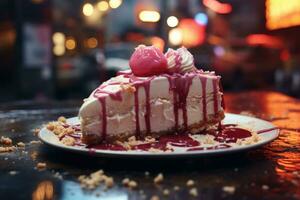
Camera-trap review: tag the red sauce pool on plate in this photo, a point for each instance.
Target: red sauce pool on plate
(224, 134)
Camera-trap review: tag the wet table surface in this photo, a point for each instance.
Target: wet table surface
(271, 172)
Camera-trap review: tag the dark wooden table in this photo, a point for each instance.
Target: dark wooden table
(271, 172)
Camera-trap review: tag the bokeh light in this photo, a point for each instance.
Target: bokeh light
(58, 38)
(175, 36)
(219, 51)
(158, 42)
(193, 34)
(59, 50)
(70, 43)
(115, 3)
(92, 42)
(217, 6)
(172, 21)
(201, 18)
(149, 16)
(88, 9)
(103, 6)
(37, 1)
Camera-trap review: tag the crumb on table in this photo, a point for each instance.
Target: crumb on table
(5, 140)
(129, 183)
(35, 142)
(7, 149)
(95, 179)
(109, 182)
(21, 144)
(41, 165)
(159, 178)
(36, 131)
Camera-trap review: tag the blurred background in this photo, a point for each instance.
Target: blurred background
(53, 49)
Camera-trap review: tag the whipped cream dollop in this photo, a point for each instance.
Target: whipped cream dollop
(180, 61)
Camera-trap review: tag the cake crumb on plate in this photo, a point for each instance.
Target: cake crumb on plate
(62, 119)
(68, 141)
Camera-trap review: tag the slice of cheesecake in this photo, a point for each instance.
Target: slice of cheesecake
(163, 103)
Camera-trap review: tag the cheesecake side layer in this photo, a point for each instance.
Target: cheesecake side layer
(193, 128)
(197, 104)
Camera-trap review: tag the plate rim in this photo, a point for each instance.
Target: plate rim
(111, 153)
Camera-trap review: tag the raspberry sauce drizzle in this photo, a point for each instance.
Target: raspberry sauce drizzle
(104, 117)
(203, 84)
(145, 83)
(222, 91)
(148, 107)
(215, 96)
(180, 85)
(136, 110)
(114, 95)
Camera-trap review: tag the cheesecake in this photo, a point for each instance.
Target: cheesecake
(161, 94)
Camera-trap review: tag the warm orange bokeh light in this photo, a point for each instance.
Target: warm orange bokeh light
(193, 34)
(158, 42)
(218, 7)
(280, 14)
(265, 40)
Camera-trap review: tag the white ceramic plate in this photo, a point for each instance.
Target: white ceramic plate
(251, 123)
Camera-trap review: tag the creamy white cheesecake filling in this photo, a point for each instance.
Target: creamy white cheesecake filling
(121, 117)
(162, 118)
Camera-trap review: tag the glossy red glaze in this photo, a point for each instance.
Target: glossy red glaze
(148, 61)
